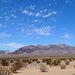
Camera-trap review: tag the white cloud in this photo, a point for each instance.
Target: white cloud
(66, 1)
(14, 16)
(67, 36)
(4, 35)
(14, 45)
(22, 29)
(49, 14)
(54, 12)
(53, 26)
(45, 10)
(4, 1)
(28, 12)
(25, 11)
(44, 13)
(30, 7)
(35, 21)
(4, 25)
(17, 28)
(43, 31)
(37, 14)
(0, 17)
(7, 18)
(52, 18)
(0, 25)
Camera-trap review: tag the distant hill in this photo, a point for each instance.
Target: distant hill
(2, 51)
(52, 50)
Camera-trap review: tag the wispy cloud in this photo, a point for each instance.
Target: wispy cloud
(43, 31)
(40, 13)
(68, 36)
(32, 7)
(14, 45)
(7, 18)
(49, 14)
(54, 12)
(28, 12)
(35, 21)
(37, 14)
(4, 35)
(0, 25)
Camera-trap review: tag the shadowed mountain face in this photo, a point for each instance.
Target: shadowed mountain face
(60, 49)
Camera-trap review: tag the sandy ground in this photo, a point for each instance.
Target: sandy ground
(50, 72)
(33, 69)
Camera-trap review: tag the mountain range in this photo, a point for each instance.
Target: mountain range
(49, 50)
(43, 50)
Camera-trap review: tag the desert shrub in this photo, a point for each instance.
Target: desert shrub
(4, 63)
(11, 61)
(16, 66)
(73, 74)
(5, 71)
(70, 59)
(29, 62)
(56, 62)
(74, 66)
(38, 61)
(32, 60)
(25, 60)
(47, 61)
(43, 68)
(63, 58)
(62, 66)
(67, 62)
(51, 63)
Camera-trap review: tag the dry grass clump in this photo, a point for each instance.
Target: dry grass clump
(43, 68)
(62, 66)
(5, 71)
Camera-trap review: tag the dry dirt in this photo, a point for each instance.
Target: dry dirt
(33, 69)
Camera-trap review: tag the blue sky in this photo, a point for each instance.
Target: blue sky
(36, 22)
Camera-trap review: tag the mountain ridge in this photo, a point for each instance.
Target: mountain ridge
(59, 49)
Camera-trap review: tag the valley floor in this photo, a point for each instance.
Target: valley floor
(33, 69)
(52, 71)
